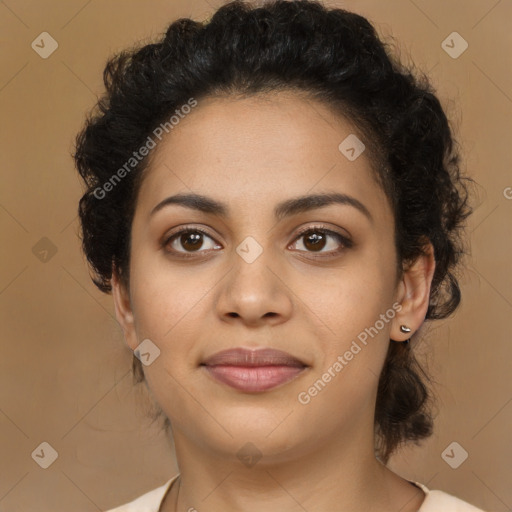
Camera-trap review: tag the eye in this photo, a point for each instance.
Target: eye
(187, 241)
(316, 239)
(190, 240)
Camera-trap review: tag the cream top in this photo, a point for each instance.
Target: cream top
(435, 501)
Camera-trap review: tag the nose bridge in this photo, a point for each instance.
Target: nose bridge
(254, 290)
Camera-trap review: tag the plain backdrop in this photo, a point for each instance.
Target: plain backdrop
(64, 369)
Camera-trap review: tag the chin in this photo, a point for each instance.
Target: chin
(272, 432)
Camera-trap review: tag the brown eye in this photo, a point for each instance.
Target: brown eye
(190, 241)
(315, 240)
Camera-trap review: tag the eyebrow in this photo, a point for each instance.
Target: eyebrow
(284, 209)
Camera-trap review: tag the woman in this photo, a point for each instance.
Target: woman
(276, 206)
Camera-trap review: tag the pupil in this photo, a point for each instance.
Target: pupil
(194, 239)
(316, 240)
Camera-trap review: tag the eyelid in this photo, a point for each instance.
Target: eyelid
(322, 227)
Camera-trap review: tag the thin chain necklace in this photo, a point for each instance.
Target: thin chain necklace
(177, 494)
(175, 505)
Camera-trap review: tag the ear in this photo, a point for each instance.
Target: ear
(413, 294)
(123, 309)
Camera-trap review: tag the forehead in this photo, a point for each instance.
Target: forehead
(261, 148)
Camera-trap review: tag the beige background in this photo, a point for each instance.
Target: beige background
(64, 370)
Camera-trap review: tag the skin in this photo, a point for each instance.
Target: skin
(251, 154)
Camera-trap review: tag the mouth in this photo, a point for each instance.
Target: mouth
(253, 371)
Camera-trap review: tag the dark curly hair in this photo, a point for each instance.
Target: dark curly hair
(332, 56)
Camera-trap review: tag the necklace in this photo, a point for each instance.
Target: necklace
(177, 494)
(175, 504)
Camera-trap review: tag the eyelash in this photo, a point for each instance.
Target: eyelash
(345, 242)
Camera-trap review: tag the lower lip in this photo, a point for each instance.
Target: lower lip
(253, 379)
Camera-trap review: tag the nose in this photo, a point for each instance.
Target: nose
(255, 294)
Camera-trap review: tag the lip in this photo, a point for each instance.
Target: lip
(253, 371)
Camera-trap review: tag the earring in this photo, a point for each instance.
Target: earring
(405, 329)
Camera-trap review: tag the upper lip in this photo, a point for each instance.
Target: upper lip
(253, 358)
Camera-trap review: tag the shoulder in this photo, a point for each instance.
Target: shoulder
(148, 502)
(439, 500)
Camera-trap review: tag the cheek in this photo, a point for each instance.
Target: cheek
(168, 309)
(165, 299)
(349, 299)
(352, 350)
(349, 306)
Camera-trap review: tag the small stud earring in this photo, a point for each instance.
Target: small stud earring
(405, 329)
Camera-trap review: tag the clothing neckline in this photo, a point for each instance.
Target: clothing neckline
(168, 485)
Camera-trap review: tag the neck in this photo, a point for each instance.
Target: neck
(337, 476)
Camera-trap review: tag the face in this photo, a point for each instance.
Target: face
(310, 281)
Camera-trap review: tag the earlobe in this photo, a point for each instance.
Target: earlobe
(413, 294)
(123, 310)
